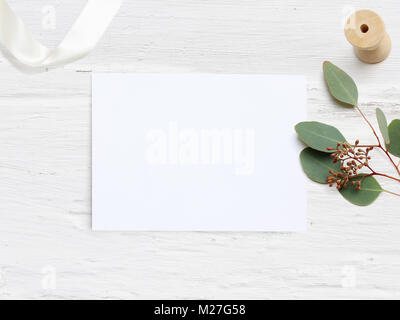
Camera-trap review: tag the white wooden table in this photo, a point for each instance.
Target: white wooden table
(47, 249)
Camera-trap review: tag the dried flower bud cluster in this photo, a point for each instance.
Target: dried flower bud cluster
(352, 159)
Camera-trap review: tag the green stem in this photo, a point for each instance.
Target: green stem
(396, 194)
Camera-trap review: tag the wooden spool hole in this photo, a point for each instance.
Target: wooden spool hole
(366, 31)
(364, 28)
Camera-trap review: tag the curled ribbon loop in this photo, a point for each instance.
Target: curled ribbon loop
(79, 41)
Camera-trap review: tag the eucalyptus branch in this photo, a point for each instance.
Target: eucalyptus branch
(352, 159)
(379, 141)
(330, 159)
(370, 125)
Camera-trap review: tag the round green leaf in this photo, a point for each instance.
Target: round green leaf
(340, 84)
(382, 122)
(319, 136)
(369, 192)
(316, 164)
(394, 135)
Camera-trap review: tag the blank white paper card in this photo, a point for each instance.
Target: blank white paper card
(197, 152)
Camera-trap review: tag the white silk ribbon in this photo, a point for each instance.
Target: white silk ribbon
(79, 41)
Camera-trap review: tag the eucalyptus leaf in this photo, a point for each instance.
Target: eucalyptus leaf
(340, 84)
(382, 122)
(316, 164)
(368, 193)
(394, 135)
(319, 136)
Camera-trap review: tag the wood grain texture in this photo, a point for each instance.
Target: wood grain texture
(45, 140)
(365, 30)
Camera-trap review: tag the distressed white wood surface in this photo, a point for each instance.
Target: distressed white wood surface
(45, 208)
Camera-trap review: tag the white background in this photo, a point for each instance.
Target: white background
(45, 205)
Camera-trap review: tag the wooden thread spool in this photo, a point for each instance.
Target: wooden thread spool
(366, 31)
